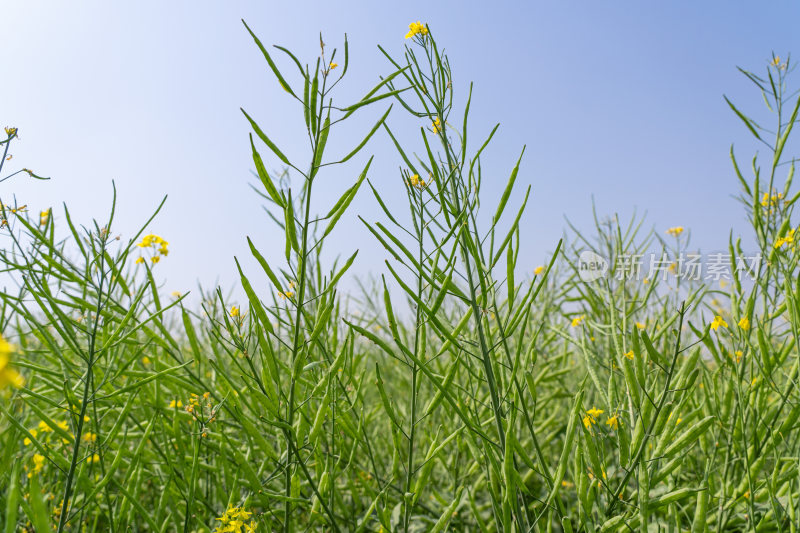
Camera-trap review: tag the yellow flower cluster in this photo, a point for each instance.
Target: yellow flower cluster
(44, 427)
(44, 217)
(787, 239)
(38, 464)
(417, 182)
(436, 125)
(27, 440)
(771, 200)
(416, 28)
(197, 408)
(577, 321)
(717, 322)
(676, 231)
(235, 520)
(776, 62)
(194, 403)
(154, 241)
(11, 131)
(288, 293)
(8, 376)
(591, 417)
(538, 270)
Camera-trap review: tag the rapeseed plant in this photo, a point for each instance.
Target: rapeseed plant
(452, 394)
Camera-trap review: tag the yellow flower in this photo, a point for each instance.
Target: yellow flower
(151, 240)
(44, 428)
(594, 412)
(8, 376)
(640, 325)
(175, 403)
(436, 125)
(738, 355)
(10, 131)
(591, 417)
(788, 239)
(416, 181)
(90, 437)
(744, 323)
(577, 321)
(333, 65)
(155, 259)
(233, 519)
(44, 216)
(718, 321)
(646, 281)
(154, 241)
(676, 231)
(613, 421)
(139, 260)
(38, 463)
(27, 441)
(234, 311)
(145, 360)
(416, 28)
(538, 270)
(629, 355)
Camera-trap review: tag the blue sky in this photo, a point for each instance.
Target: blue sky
(618, 100)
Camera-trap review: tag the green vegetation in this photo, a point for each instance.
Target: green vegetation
(467, 392)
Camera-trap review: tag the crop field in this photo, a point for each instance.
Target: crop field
(464, 391)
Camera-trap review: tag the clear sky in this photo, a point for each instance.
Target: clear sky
(622, 100)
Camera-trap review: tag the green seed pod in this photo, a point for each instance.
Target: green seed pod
(319, 419)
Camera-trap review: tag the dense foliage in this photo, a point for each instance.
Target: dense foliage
(463, 391)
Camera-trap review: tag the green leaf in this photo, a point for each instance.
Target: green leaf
(344, 201)
(290, 226)
(350, 109)
(367, 138)
(747, 122)
(264, 176)
(507, 192)
(274, 68)
(264, 265)
(266, 140)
